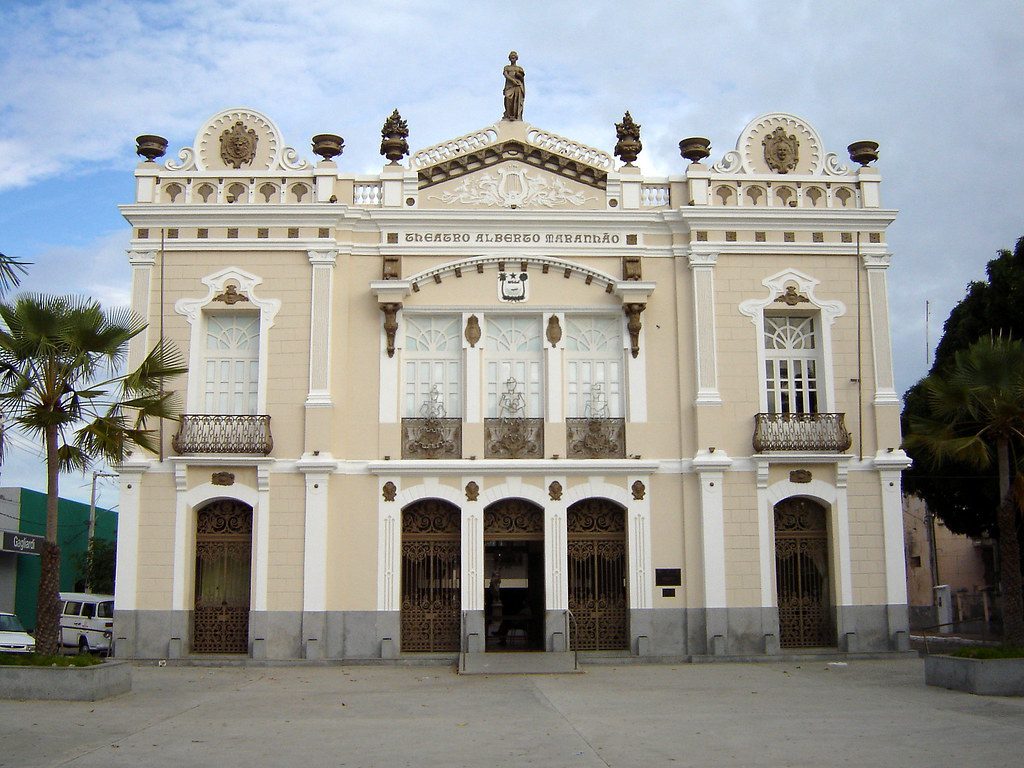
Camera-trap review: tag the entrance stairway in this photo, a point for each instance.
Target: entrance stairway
(518, 663)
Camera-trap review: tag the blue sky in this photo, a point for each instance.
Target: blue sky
(939, 85)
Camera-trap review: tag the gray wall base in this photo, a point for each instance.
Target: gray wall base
(653, 633)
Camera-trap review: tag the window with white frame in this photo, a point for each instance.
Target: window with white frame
(433, 365)
(792, 362)
(231, 362)
(514, 354)
(594, 364)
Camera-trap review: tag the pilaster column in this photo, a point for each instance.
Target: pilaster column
(317, 473)
(710, 467)
(261, 557)
(390, 294)
(702, 265)
(556, 550)
(142, 263)
(182, 550)
(638, 536)
(321, 301)
(127, 565)
(841, 537)
(473, 544)
(881, 346)
(389, 534)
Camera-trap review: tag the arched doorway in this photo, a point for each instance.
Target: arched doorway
(223, 567)
(802, 574)
(431, 590)
(598, 595)
(514, 604)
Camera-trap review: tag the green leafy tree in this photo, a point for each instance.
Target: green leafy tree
(97, 565)
(11, 271)
(962, 496)
(975, 417)
(60, 380)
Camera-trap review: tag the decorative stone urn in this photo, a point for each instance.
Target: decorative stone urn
(628, 146)
(393, 135)
(863, 152)
(695, 148)
(150, 147)
(328, 145)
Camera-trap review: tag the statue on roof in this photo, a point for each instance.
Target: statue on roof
(515, 88)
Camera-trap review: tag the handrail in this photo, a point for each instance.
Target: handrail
(986, 636)
(575, 638)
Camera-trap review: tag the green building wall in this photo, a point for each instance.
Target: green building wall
(73, 537)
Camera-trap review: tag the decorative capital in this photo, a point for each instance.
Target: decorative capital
(702, 258)
(327, 258)
(628, 146)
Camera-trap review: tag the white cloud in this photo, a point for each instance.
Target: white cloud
(940, 85)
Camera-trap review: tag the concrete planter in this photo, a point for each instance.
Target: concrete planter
(66, 683)
(986, 677)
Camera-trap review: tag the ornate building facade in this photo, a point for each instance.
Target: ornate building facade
(512, 394)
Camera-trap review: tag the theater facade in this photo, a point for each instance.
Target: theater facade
(512, 394)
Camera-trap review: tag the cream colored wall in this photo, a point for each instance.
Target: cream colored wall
(156, 542)
(668, 520)
(867, 545)
(742, 544)
(287, 542)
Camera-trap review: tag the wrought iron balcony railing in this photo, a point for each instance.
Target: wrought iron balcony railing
(432, 438)
(513, 438)
(801, 432)
(223, 433)
(592, 438)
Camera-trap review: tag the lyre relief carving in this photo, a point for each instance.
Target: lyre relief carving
(633, 325)
(390, 310)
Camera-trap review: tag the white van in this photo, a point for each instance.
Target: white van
(86, 621)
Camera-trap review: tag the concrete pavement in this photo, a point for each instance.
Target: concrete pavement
(804, 713)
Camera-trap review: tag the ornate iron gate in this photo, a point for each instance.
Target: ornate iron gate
(801, 571)
(431, 600)
(223, 555)
(597, 575)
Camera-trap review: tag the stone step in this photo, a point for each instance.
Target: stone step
(518, 663)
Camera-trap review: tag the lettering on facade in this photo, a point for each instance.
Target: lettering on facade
(22, 543)
(514, 238)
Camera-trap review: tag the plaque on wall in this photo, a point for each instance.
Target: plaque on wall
(668, 577)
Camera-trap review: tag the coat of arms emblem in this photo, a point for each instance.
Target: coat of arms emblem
(238, 145)
(781, 152)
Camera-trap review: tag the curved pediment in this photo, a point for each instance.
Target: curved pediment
(513, 165)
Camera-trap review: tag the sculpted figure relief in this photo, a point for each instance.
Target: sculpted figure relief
(238, 145)
(515, 88)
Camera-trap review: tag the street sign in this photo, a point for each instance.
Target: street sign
(22, 543)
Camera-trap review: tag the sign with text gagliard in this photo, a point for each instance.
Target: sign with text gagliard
(22, 543)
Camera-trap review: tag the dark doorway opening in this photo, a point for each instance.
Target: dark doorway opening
(514, 603)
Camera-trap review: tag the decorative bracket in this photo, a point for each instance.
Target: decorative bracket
(390, 310)
(633, 324)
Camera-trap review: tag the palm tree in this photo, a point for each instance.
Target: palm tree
(60, 381)
(11, 271)
(977, 417)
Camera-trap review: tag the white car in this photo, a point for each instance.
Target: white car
(13, 637)
(86, 621)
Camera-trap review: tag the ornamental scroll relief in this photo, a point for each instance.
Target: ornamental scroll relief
(513, 187)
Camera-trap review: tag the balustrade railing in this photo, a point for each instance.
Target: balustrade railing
(654, 195)
(223, 433)
(432, 438)
(595, 438)
(367, 193)
(801, 432)
(513, 438)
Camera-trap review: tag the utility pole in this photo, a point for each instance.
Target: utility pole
(92, 503)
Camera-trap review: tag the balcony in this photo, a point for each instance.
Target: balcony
(513, 438)
(822, 432)
(595, 438)
(223, 433)
(433, 437)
